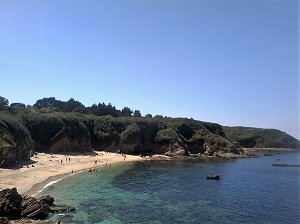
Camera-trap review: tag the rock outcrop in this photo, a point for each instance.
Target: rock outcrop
(13, 206)
(58, 134)
(15, 142)
(10, 204)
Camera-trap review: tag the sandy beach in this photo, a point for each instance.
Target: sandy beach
(46, 168)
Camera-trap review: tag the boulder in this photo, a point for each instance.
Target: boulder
(40, 211)
(13, 206)
(31, 209)
(47, 199)
(10, 204)
(28, 201)
(37, 208)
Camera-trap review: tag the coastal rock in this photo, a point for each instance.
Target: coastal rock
(30, 209)
(28, 201)
(15, 142)
(39, 211)
(57, 134)
(47, 199)
(37, 208)
(13, 206)
(10, 204)
(61, 208)
(177, 150)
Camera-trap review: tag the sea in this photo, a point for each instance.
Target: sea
(249, 191)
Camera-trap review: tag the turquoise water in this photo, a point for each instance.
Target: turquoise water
(250, 190)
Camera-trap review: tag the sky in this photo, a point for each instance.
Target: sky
(230, 62)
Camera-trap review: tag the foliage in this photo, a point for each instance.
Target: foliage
(3, 103)
(131, 133)
(148, 115)
(167, 136)
(127, 112)
(137, 113)
(55, 126)
(258, 137)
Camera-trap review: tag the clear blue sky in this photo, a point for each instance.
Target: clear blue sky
(230, 62)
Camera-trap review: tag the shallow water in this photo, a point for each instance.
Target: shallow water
(250, 190)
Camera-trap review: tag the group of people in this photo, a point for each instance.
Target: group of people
(67, 159)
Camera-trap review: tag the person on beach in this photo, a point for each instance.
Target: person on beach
(69, 159)
(61, 161)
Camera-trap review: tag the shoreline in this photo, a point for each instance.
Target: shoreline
(46, 168)
(37, 188)
(269, 150)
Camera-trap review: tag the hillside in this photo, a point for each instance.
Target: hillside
(62, 127)
(249, 137)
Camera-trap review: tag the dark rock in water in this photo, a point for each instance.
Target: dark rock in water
(37, 208)
(10, 204)
(216, 177)
(41, 211)
(61, 208)
(47, 199)
(31, 209)
(268, 154)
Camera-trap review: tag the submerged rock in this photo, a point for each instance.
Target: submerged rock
(61, 208)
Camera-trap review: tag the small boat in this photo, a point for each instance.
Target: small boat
(216, 177)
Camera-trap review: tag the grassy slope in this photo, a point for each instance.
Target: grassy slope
(258, 137)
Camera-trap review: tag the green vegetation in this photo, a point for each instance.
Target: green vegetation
(260, 138)
(55, 126)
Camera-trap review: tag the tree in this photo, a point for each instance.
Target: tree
(137, 113)
(3, 103)
(17, 105)
(126, 111)
(45, 102)
(71, 104)
(148, 115)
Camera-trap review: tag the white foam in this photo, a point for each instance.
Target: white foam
(51, 182)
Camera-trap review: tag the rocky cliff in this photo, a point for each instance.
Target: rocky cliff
(57, 132)
(15, 141)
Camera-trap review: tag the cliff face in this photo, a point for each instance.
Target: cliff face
(15, 141)
(58, 132)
